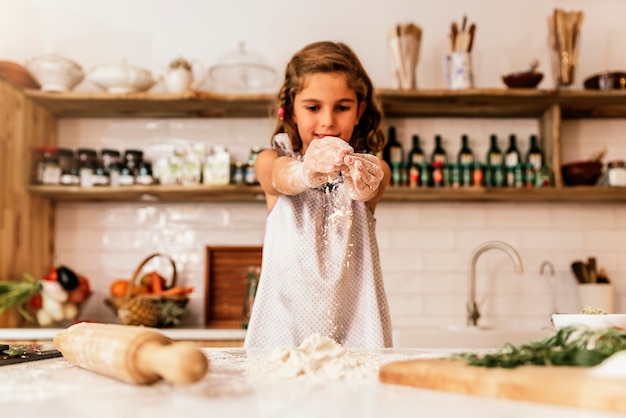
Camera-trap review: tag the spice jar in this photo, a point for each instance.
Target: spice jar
(109, 157)
(87, 164)
(617, 173)
(132, 159)
(48, 170)
(69, 170)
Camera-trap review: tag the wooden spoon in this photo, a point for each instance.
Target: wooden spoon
(580, 271)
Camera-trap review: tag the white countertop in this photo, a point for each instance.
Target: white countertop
(189, 334)
(54, 388)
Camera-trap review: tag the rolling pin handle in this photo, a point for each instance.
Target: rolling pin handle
(179, 363)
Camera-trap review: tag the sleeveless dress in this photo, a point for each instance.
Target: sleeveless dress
(320, 273)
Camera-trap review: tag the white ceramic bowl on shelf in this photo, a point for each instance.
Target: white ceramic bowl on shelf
(55, 73)
(589, 320)
(121, 78)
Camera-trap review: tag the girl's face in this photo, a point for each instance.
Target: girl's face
(326, 106)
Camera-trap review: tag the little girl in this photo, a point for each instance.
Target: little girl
(321, 270)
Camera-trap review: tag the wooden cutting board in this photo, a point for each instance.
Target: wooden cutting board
(565, 386)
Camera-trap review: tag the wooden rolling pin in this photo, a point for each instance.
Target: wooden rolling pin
(133, 354)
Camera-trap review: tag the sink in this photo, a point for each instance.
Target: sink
(465, 337)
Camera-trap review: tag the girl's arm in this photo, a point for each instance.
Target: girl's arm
(285, 175)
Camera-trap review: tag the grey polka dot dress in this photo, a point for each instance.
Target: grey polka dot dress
(321, 274)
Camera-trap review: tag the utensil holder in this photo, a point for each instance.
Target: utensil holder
(597, 295)
(457, 70)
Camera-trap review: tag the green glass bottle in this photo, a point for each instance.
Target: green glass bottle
(494, 163)
(416, 155)
(511, 160)
(535, 153)
(393, 154)
(439, 152)
(465, 156)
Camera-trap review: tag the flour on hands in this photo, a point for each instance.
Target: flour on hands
(363, 176)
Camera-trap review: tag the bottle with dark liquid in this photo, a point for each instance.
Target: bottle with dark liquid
(534, 156)
(416, 155)
(494, 172)
(439, 152)
(466, 156)
(393, 154)
(511, 160)
(414, 162)
(465, 161)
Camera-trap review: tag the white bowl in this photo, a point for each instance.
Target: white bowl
(589, 320)
(121, 78)
(55, 73)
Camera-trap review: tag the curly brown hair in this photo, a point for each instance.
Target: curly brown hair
(329, 57)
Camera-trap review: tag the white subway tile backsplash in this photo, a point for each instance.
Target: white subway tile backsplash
(425, 247)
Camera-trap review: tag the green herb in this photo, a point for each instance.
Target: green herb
(15, 351)
(570, 346)
(13, 293)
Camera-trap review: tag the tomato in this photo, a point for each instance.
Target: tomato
(52, 275)
(36, 301)
(81, 292)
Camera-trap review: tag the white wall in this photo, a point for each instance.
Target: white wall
(425, 247)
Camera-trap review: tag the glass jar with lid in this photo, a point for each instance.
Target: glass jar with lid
(109, 157)
(133, 159)
(617, 173)
(87, 164)
(69, 170)
(48, 170)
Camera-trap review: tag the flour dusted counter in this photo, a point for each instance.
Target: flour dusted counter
(54, 388)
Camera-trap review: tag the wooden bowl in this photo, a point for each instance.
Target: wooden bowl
(17, 75)
(581, 173)
(609, 80)
(522, 80)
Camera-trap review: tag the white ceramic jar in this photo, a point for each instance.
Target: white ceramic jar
(178, 80)
(617, 173)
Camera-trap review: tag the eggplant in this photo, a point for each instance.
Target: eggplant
(67, 278)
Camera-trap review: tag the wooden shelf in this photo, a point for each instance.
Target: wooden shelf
(492, 103)
(549, 106)
(234, 193)
(230, 193)
(152, 105)
(495, 103)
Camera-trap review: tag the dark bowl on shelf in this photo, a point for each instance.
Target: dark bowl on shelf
(522, 80)
(608, 80)
(581, 173)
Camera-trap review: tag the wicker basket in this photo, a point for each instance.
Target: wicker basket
(180, 300)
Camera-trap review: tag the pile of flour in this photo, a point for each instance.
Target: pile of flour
(318, 357)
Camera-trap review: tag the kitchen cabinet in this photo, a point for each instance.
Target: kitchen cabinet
(30, 117)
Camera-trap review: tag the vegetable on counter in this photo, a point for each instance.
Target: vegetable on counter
(570, 346)
(55, 298)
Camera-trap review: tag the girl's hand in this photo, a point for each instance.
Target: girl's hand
(323, 160)
(363, 176)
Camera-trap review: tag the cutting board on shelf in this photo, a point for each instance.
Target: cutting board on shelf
(564, 386)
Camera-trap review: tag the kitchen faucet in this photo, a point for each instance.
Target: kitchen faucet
(472, 306)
